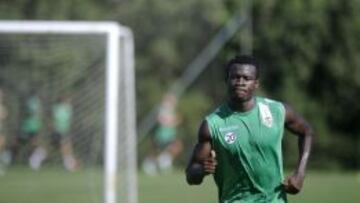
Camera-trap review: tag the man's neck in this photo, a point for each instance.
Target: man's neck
(242, 106)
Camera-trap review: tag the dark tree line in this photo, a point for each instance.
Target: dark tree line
(308, 49)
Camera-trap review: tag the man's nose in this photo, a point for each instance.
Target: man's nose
(241, 81)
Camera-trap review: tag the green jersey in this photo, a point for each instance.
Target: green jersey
(32, 123)
(62, 115)
(248, 151)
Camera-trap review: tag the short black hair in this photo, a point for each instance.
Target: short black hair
(243, 59)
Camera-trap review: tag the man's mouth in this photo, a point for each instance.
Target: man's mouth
(240, 90)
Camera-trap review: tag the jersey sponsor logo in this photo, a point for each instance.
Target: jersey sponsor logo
(229, 128)
(230, 137)
(266, 116)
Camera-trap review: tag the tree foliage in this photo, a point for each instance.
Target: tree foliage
(308, 50)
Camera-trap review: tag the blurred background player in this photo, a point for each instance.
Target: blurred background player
(167, 145)
(4, 154)
(62, 113)
(31, 127)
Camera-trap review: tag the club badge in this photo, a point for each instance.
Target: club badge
(230, 137)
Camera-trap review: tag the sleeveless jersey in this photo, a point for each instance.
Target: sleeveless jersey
(248, 152)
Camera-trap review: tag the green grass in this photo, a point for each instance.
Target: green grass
(51, 185)
(319, 187)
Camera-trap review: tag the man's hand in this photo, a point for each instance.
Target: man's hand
(209, 164)
(293, 184)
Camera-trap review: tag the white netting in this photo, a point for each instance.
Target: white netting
(36, 72)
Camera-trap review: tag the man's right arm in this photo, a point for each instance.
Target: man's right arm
(202, 161)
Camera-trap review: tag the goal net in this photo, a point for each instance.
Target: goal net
(67, 110)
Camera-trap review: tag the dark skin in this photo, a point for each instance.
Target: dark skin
(242, 83)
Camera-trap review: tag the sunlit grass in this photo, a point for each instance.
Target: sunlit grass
(21, 185)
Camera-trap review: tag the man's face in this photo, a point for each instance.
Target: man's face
(242, 82)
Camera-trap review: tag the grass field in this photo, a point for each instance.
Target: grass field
(21, 185)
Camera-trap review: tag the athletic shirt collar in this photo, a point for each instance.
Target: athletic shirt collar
(245, 113)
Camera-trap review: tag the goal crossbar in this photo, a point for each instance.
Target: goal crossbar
(69, 27)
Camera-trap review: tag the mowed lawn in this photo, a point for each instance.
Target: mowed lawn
(21, 185)
(320, 187)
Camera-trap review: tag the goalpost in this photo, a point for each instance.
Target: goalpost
(119, 105)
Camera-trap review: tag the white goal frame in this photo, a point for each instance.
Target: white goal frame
(116, 71)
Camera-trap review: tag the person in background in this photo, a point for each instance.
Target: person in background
(167, 145)
(4, 153)
(62, 118)
(30, 129)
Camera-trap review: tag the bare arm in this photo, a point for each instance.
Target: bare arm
(202, 161)
(298, 126)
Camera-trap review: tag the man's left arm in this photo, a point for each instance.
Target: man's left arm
(298, 126)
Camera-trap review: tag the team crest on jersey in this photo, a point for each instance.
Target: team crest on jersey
(230, 137)
(265, 114)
